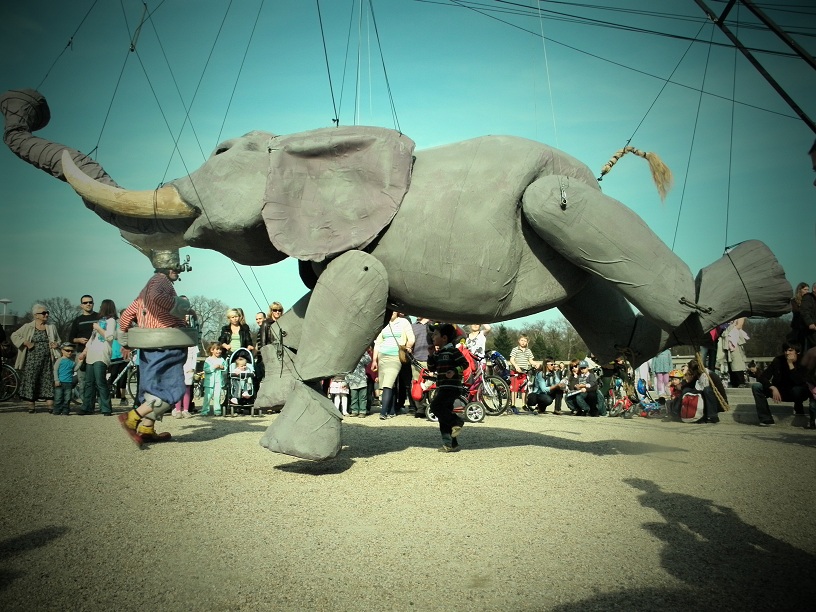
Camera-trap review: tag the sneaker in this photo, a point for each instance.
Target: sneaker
(457, 429)
(148, 434)
(123, 402)
(766, 423)
(246, 395)
(176, 413)
(448, 449)
(185, 414)
(557, 412)
(234, 401)
(382, 418)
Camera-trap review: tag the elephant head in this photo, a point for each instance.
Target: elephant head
(258, 199)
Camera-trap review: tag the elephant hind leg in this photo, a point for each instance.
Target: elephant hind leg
(602, 236)
(606, 322)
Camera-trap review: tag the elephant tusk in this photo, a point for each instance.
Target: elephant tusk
(162, 203)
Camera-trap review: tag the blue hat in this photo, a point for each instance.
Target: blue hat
(583, 364)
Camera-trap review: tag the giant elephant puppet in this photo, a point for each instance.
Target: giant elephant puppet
(491, 229)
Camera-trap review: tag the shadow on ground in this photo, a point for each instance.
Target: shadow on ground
(12, 547)
(723, 562)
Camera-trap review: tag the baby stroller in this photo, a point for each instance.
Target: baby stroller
(241, 388)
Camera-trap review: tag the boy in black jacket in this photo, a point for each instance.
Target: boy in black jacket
(448, 363)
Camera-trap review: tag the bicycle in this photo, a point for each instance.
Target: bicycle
(131, 384)
(9, 382)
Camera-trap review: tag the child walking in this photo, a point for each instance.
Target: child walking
(357, 381)
(64, 370)
(214, 368)
(448, 363)
(339, 392)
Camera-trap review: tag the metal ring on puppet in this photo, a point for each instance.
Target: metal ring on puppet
(168, 337)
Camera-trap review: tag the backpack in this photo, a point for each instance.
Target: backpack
(692, 407)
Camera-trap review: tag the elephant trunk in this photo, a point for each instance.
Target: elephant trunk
(26, 111)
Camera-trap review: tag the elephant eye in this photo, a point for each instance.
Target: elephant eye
(221, 150)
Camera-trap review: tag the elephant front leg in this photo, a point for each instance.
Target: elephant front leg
(345, 313)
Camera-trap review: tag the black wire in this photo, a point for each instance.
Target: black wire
(67, 45)
(345, 58)
(691, 147)
(240, 70)
(607, 60)
(336, 119)
(385, 72)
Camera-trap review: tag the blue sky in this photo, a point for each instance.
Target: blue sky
(453, 72)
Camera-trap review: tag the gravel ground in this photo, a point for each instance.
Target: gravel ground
(535, 513)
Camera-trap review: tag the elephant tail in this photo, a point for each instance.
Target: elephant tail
(746, 281)
(661, 174)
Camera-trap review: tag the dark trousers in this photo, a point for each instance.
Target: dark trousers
(796, 394)
(442, 407)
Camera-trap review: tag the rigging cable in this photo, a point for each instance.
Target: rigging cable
(181, 158)
(731, 144)
(336, 119)
(691, 147)
(345, 58)
(68, 45)
(385, 72)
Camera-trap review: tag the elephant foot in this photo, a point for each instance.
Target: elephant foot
(308, 427)
(274, 390)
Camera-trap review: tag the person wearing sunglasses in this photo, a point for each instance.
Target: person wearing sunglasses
(81, 332)
(65, 368)
(37, 344)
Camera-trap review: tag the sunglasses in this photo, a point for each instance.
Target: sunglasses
(67, 350)
(44, 312)
(86, 303)
(277, 310)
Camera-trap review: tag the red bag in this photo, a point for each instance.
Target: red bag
(416, 390)
(692, 408)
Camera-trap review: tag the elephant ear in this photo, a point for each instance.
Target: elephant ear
(332, 190)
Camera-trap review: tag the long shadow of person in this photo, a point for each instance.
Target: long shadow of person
(725, 560)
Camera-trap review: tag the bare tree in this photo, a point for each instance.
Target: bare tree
(211, 315)
(61, 312)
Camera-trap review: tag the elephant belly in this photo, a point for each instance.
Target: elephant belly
(459, 250)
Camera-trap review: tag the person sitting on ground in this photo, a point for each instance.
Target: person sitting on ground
(547, 388)
(582, 396)
(696, 380)
(449, 363)
(784, 381)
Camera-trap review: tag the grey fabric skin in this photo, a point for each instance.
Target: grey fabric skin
(335, 189)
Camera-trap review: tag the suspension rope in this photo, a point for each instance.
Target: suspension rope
(336, 119)
(561, 186)
(68, 45)
(731, 140)
(385, 71)
(345, 58)
(184, 163)
(693, 138)
(240, 70)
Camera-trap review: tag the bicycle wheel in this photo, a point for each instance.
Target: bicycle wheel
(494, 395)
(474, 412)
(132, 384)
(9, 382)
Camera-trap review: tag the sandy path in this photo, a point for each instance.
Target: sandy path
(535, 513)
